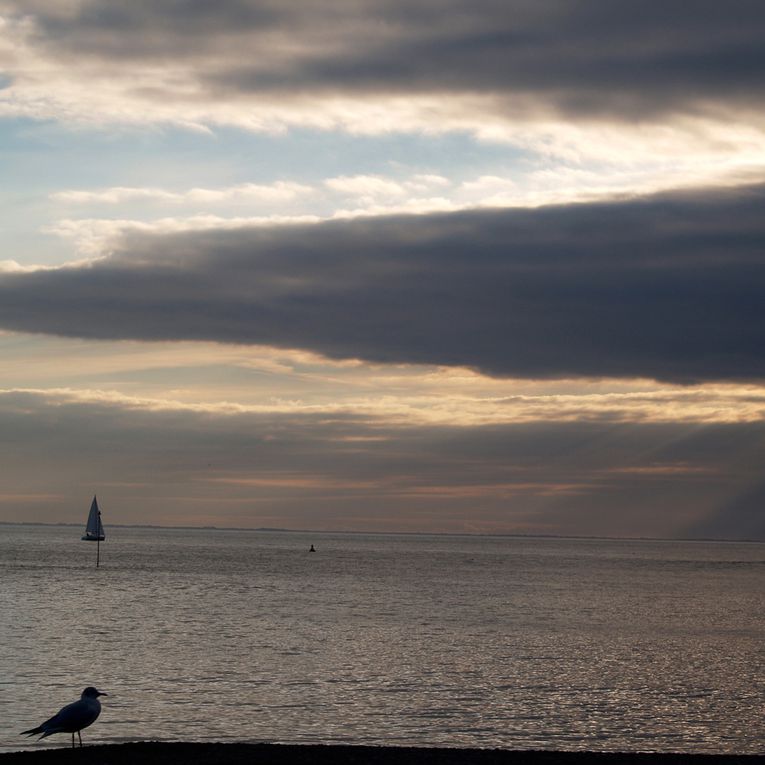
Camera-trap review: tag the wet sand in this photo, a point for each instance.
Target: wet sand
(153, 753)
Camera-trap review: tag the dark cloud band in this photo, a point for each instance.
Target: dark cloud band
(619, 58)
(669, 287)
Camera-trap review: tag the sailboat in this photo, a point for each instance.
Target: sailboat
(94, 531)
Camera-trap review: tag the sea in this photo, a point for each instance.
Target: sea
(459, 641)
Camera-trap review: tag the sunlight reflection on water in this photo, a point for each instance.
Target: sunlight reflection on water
(458, 641)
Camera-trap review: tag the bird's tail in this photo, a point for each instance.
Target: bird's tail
(32, 731)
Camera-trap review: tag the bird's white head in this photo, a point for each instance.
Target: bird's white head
(92, 693)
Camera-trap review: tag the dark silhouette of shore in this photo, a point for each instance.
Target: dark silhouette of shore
(154, 753)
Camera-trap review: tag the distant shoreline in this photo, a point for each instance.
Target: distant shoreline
(272, 530)
(156, 753)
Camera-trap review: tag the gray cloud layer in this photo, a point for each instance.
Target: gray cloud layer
(669, 287)
(586, 477)
(259, 469)
(618, 58)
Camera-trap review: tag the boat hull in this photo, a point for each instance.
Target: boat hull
(86, 538)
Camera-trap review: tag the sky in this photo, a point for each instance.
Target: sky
(464, 266)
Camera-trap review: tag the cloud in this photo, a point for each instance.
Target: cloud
(95, 236)
(281, 191)
(12, 267)
(622, 58)
(372, 186)
(242, 468)
(216, 378)
(345, 197)
(553, 74)
(705, 405)
(667, 287)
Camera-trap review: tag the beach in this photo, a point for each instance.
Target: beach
(156, 753)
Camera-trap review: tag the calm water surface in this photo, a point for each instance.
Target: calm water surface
(457, 641)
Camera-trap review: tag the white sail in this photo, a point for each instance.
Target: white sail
(94, 531)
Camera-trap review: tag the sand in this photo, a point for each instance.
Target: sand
(154, 753)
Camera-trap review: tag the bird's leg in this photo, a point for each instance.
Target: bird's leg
(72, 739)
(79, 737)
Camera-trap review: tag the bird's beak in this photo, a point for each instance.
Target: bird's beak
(101, 693)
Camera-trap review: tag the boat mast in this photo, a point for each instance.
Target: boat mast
(98, 536)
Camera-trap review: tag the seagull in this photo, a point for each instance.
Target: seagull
(72, 718)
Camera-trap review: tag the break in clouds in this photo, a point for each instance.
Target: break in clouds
(666, 287)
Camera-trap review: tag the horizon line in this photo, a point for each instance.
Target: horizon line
(518, 535)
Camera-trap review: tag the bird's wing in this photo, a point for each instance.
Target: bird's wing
(51, 724)
(71, 718)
